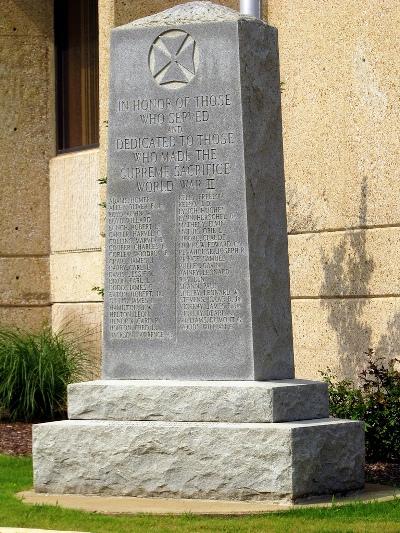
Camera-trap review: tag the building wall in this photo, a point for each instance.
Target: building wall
(339, 65)
(339, 68)
(76, 261)
(27, 140)
(39, 191)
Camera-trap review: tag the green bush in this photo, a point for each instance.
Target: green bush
(376, 401)
(35, 369)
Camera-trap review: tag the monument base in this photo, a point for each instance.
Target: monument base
(198, 458)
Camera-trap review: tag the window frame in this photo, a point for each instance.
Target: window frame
(60, 114)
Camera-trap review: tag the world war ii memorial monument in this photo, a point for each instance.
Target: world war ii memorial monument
(198, 397)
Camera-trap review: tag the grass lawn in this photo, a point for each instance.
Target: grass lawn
(16, 475)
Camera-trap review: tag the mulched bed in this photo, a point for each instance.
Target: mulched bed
(383, 473)
(16, 439)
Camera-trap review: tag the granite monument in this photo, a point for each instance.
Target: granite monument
(198, 397)
(197, 282)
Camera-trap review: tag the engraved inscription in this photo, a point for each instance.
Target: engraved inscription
(206, 300)
(176, 243)
(134, 243)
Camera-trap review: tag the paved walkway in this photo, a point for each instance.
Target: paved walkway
(128, 505)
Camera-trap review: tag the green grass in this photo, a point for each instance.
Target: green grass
(15, 475)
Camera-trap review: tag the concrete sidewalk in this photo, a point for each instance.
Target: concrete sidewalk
(130, 505)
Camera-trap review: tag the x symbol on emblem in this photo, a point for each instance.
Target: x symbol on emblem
(173, 58)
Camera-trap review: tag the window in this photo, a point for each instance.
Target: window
(77, 73)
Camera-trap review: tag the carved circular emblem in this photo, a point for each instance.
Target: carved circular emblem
(173, 59)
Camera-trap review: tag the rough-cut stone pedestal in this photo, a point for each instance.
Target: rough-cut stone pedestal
(170, 448)
(209, 460)
(195, 401)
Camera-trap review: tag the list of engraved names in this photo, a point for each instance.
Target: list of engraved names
(172, 243)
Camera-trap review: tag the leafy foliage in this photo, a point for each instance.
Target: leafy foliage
(99, 291)
(35, 369)
(376, 401)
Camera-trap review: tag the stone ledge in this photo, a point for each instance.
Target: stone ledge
(198, 401)
(219, 461)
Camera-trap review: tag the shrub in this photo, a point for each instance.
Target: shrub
(376, 401)
(35, 369)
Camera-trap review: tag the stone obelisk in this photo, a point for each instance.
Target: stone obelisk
(198, 397)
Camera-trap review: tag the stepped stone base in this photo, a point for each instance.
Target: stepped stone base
(207, 440)
(209, 460)
(198, 401)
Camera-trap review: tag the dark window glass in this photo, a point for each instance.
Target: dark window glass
(77, 73)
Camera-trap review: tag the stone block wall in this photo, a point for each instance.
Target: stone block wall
(27, 141)
(341, 129)
(76, 260)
